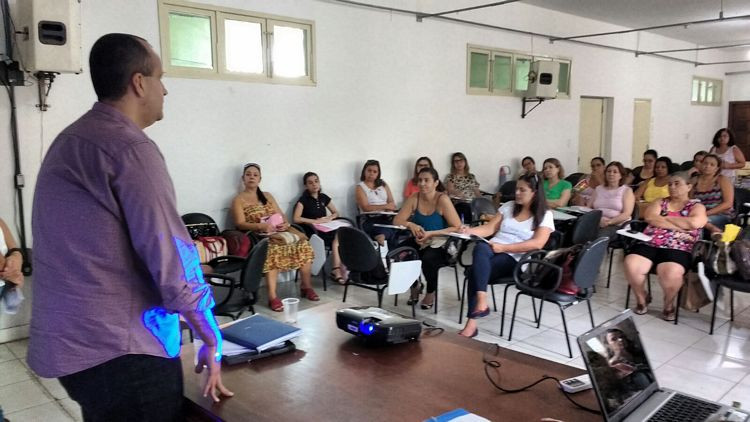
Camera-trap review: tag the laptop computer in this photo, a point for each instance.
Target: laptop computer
(626, 387)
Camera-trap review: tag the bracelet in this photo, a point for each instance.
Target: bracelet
(12, 250)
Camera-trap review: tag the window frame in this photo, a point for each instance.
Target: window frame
(717, 83)
(515, 56)
(218, 17)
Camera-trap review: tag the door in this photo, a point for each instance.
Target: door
(591, 132)
(739, 124)
(641, 130)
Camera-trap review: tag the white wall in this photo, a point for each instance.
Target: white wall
(388, 88)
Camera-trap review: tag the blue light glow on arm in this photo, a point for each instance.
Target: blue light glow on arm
(165, 326)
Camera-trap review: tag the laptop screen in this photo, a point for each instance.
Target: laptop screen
(618, 366)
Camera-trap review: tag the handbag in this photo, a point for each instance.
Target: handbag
(288, 237)
(567, 285)
(238, 243)
(740, 252)
(721, 260)
(694, 297)
(213, 247)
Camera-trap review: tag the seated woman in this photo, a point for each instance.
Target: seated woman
(715, 192)
(557, 190)
(373, 194)
(11, 259)
(412, 185)
(644, 172)
(428, 214)
(250, 209)
(584, 189)
(311, 208)
(614, 198)
(528, 166)
(697, 160)
(519, 226)
(655, 188)
(674, 225)
(462, 186)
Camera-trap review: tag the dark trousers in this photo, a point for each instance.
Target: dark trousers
(129, 388)
(486, 266)
(432, 260)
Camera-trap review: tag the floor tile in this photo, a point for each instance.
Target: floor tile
(712, 364)
(48, 412)
(12, 372)
(730, 346)
(553, 341)
(22, 395)
(18, 348)
(53, 387)
(5, 354)
(740, 393)
(72, 408)
(667, 331)
(661, 351)
(739, 329)
(701, 385)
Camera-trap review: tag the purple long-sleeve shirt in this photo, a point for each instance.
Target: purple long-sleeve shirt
(111, 253)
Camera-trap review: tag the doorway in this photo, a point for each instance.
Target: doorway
(641, 129)
(594, 130)
(739, 124)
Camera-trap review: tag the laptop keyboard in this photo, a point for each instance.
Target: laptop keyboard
(681, 408)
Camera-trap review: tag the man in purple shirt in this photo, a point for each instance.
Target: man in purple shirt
(114, 262)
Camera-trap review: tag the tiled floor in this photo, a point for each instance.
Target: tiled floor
(685, 357)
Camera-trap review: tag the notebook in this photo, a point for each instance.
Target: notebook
(259, 332)
(625, 384)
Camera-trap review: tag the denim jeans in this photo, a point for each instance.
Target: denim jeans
(486, 266)
(129, 388)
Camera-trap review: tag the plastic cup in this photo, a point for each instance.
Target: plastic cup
(291, 305)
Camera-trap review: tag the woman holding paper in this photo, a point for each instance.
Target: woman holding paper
(519, 226)
(373, 195)
(312, 208)
(674, 225)
(258, 212)
(429, 215)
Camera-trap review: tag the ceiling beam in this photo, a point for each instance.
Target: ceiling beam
(481, 6)
(692, 49)
(648, 28)
(502, 28)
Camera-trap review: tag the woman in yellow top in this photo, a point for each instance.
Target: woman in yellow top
(655, 188)
(250, 208)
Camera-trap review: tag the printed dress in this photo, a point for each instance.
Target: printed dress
(280, 257)
(674, 239)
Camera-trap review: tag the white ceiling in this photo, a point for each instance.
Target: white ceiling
(644, 13)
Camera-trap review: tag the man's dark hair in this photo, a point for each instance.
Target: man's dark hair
(114, 59)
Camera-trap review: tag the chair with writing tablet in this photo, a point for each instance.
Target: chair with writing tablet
(310, 229)
(234, 295)
(365, 265)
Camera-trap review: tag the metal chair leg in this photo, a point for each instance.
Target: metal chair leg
(346, 289)
(539, 319)
(458, 287)
(463, 297)
(494, 302)
(513, 317)
(591, 314)
(609, 273)
(436, 301)
(713, 312)
(627, 298)
(731, 304)
(533, 308)
(502, 314)
(565, 328)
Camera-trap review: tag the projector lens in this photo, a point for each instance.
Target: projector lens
(366, 327)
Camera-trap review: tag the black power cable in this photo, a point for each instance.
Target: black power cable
(490, 362)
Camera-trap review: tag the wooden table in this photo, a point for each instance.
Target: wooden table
(332, 376)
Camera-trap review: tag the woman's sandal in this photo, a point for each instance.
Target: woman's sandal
(414, 295)
(640, 309)
(669, 314)
(471, 336)
(337, 278)
(276, 305)
(309, 294)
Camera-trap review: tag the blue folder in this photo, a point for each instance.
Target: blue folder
(259, 332)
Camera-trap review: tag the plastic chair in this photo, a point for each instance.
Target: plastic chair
(199, 225)
(508, 191)
(528, 278)
(366, 269)
(686, 165)
(585, 229)
(731, 282)
(575, 178)
(310, 230)
(481, 206)
(241, 293)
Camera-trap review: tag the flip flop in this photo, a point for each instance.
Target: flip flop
(337, 278)
(640, 309)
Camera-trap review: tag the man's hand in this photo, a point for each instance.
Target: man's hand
(207, 361)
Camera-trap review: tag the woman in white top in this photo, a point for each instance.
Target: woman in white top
(732, 157)
(614, 198)
(373, 194)
(11, 258)
(519, 226)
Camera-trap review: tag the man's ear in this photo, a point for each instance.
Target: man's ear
(137, 82)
